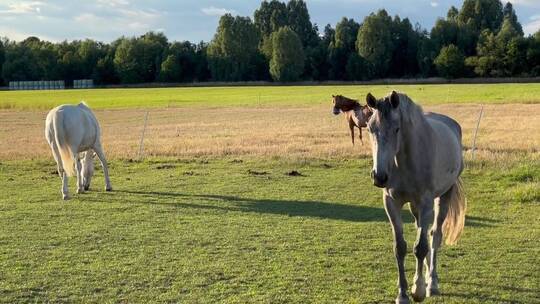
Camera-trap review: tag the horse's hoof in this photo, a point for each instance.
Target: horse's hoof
(86, 188)
(108, 189)
(418, 293)
(433, 292)
(65, 197)
(79, 191)
(402, 300)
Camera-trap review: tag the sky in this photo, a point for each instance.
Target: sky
(106, 20)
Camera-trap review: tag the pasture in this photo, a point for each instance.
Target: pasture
(216, 212)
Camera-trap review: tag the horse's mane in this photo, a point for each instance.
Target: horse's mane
(83, 104)
(342, 101)
(410, 111)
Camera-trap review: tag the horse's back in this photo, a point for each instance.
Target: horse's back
(80, 125)
(448, 162)
(451, 123)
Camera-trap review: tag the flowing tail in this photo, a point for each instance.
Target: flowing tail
(455, 218)
(65, 152)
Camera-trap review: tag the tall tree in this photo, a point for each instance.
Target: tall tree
(450, 63)
(482, 14)
(234, 50)
(2, 58)
(287, 62)
(270, 16)
(342, 46)
(405, 47)
(299, 21)
(374, 42)
(510, 14)
(127, 61)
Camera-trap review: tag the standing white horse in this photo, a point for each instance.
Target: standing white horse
(70, 130)
(417, 158)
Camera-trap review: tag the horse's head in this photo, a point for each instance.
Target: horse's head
(343, 104)
(384, 130)
(87, 165)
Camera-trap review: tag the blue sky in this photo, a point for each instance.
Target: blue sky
(105, 20)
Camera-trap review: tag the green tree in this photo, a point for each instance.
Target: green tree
(270, 16)
(89, 52)
(533, 54)
(450, 63)
(426, 55)
(342, 46)
(171, 70)
(357, 68)
(300, 22)
(510, 14)
(128, 61)
(374, 42)
(2, 58)
(287, 62)
(405, 48)
(20, 63)
(482, 14)
(233, 53)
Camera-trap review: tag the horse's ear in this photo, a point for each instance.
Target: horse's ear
(394, 99)
(371, 101)
(333, 96)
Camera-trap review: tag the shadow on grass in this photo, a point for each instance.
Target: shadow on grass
(316, 209)
(477, 221)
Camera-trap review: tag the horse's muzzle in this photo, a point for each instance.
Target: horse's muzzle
(336, 111)
(379, 180)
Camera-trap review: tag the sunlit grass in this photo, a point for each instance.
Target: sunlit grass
(267, 95)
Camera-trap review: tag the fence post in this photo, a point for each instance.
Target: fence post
(142, 136)
(476, 131)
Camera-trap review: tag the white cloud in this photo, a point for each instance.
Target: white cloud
(23, 7)
(531, 3)
(434, 4)
(533, 26)
(215, 11)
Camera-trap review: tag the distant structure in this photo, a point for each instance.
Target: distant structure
(83, 84)
(50, 85)
(37, 85)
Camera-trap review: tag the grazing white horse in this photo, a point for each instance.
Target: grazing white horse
(70, 130)
(417, 158)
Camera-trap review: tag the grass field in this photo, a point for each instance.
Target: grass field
(253, 96)
(212, 215)
(243, 231)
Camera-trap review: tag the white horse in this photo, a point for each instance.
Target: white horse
(70, 130)
(417, 158)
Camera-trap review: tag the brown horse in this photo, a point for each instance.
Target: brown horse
(355, 114)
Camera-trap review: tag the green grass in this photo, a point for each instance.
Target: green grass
(267, 95)
(207, 231)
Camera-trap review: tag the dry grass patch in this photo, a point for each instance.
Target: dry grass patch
(268, 131)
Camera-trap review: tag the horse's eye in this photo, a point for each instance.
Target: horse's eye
(397, 130)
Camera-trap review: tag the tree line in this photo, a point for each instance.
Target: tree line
(481, 39)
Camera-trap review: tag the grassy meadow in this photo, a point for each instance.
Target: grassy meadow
(267, 95)
(256, 195)
(246, 231)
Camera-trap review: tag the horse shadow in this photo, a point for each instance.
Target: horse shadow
(292, 208)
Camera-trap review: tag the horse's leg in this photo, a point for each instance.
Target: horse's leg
(78, 167)
(59, 168)
(441, 209)
(99, 151)
(393, 210)
(360, 135)
(423, 212)
(351, 127)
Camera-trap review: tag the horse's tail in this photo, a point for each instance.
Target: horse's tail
(455, 218)
(65, 151)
